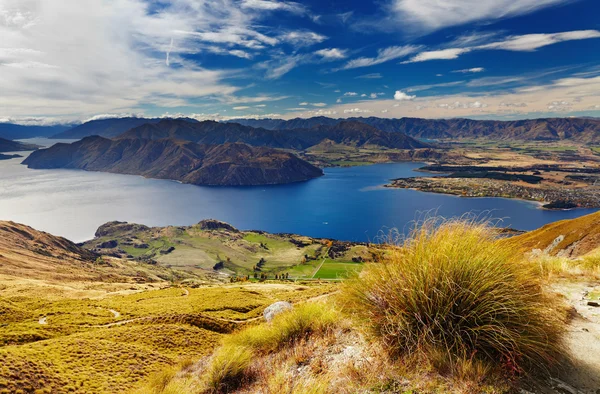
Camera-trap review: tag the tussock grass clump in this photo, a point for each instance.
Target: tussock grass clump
(452, 295)
(230, 366)
(286, 328)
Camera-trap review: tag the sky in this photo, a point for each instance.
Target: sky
(75, 60)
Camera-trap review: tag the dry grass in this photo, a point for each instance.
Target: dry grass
(230, 366)
(456, 298)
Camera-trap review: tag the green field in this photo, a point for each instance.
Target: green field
(332, 269)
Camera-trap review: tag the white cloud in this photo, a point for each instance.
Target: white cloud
(338, 101)
(357, 111)
(470, 70)
(429, 15)
(332, 53)
(350, 94)
(370, 76)
(383, 55)
(524, 43)
(318, 104)
(531, 42)
(303, 103)
(302, 38)
(442, 54)
(401, 96)
(271, 5)
(241, 107)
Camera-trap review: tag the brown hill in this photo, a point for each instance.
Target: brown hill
(570, 238)
(228, 164)
(28, 253)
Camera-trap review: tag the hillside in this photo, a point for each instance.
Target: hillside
(188, 162)
(582, 130)
(33, 255)
(213, 246)
(566, 238)
(354, 134)
(14, 146)
(13, 131)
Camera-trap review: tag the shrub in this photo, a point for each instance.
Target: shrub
(452, 290)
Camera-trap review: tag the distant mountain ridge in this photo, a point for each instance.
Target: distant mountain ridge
(584, 130)
(103, 127)
(228, 164)
(14, 146)
(12, 131)
(209, 132)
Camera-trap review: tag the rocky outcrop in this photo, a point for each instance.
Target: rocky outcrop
(229, 164)
(212, 224)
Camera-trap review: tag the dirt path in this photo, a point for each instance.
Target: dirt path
(582, 340)
(137, 319)
(43, 320)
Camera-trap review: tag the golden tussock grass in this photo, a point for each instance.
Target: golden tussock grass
(455, 297)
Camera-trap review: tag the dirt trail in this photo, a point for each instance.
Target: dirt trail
(137, 319)
(582, 340)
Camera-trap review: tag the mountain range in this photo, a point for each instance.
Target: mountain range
(350, 133)
(583, 130)
(13, 131)
(229, 164)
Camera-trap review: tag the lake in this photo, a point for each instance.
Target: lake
(346, 203)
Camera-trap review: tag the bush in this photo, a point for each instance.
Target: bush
(452, 294)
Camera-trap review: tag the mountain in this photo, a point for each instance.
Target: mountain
(230, 164)
(569, 238)
(13, 131)
(14, 146)
(109, 128)
(584, 130)
(209, 132)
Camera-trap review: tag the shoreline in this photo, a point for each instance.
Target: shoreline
(429, 185)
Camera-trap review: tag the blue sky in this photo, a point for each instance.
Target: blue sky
(69, 60)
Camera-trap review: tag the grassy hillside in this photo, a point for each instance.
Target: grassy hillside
(571, 238)
(216, 248)
(109, 344)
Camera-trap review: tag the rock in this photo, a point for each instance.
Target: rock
(108, 244)
(593, 303)
(554, 244)
(211, 224)
(141, 246)
(275, 309)
(167, 251)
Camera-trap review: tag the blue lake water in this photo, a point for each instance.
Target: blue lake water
(346, 203)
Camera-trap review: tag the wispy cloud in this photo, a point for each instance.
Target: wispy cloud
(430, 15)
(470, 70)
(383, 55)
(522, 43)
(370, 76)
